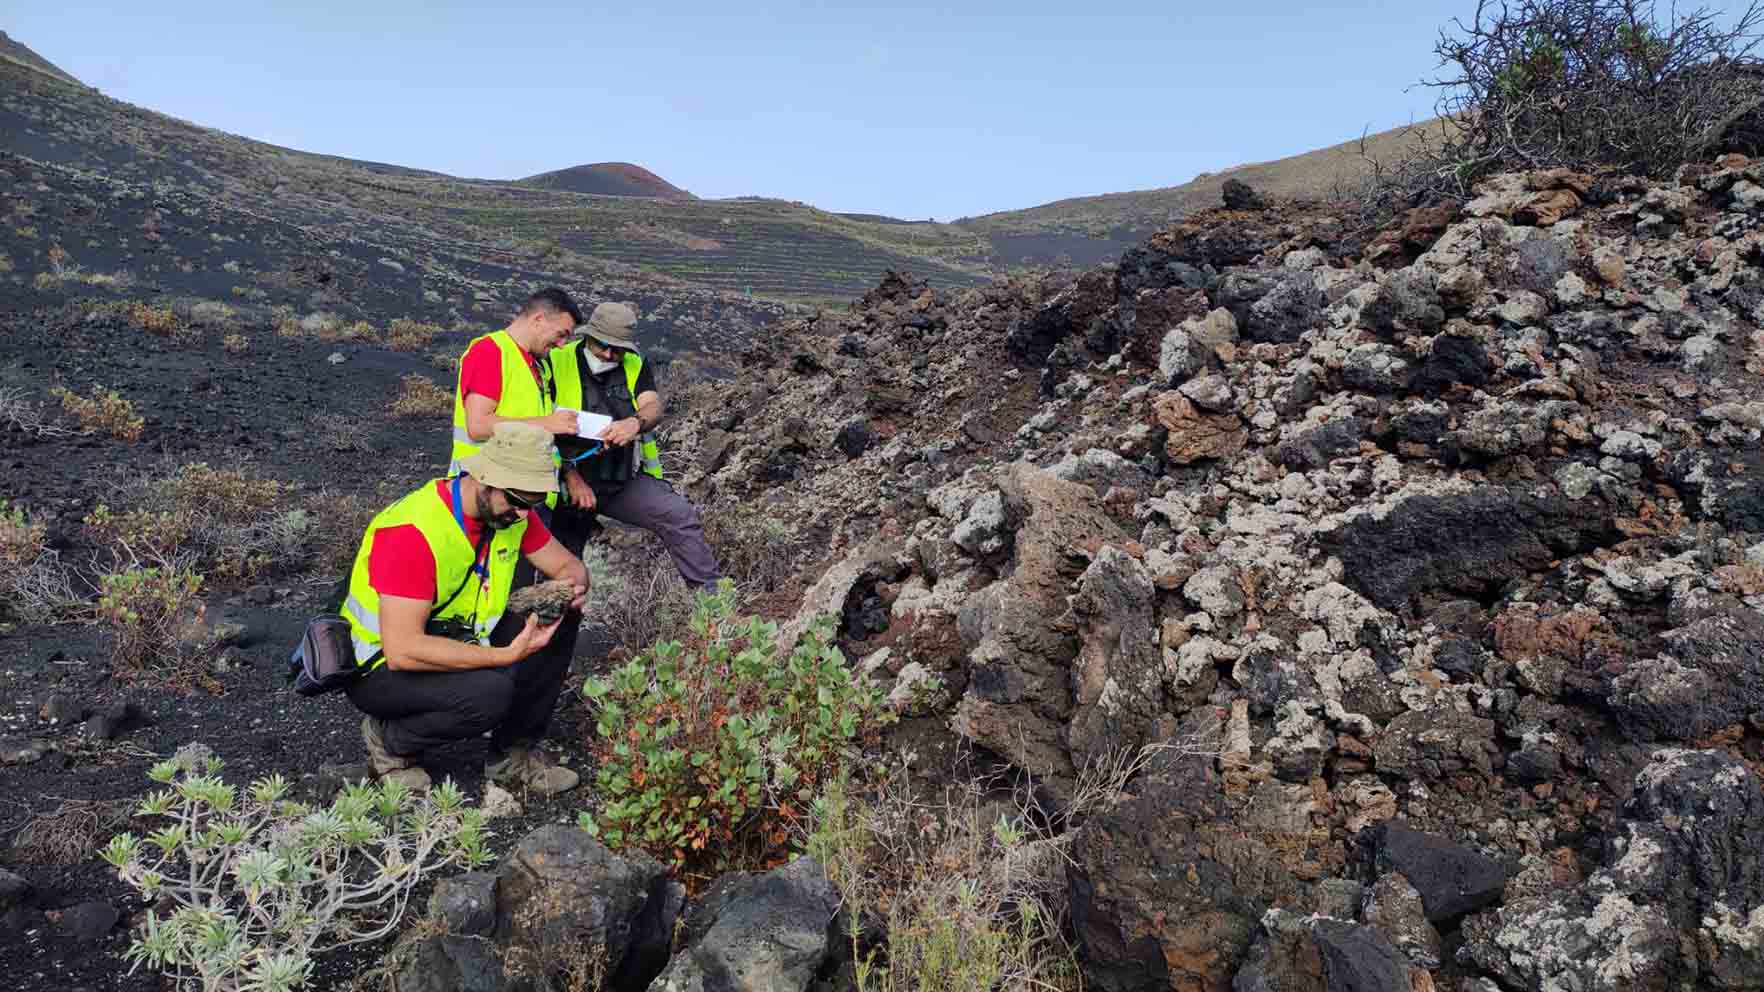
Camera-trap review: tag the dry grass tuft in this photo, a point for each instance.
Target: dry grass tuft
(404, 334)
(418, 396)
(154, 320)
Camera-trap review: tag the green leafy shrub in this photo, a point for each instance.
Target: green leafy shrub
(106, 411)
(149, 611)
(712, 748)
(258, 884)
(220, 521)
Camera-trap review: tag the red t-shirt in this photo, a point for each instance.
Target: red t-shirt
(480, 371)
(401, 564)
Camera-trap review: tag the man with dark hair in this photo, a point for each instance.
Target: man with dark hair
(502, 376)
(619, 474)
(427, 614)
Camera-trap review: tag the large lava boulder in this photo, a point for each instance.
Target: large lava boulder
(757, 933)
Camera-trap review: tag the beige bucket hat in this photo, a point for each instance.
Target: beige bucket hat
(517, 456)
(613, 324)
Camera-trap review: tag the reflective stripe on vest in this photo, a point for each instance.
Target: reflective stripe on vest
(429, 513)
(566, 375)
(521, 396)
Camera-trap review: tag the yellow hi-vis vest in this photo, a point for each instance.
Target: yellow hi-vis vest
(521, 396)
(566, 376)
(476, 602)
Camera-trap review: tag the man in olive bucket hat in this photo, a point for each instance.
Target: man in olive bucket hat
(619, 474)
(426, 613)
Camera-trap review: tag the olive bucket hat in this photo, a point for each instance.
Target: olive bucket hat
(517, 456)
(613, 324)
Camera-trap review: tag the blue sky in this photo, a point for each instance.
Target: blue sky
(911, 109)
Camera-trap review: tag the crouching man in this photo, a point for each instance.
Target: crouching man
(425, 610)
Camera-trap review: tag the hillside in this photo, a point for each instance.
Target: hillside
(608, 179)
(1091, 229)
(12, 50)
(458, 239)
(633, 230)
(1319, 611)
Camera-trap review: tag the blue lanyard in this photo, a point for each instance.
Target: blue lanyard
(459, 517)
(591, 451)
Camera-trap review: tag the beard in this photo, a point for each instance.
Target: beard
(493, 520)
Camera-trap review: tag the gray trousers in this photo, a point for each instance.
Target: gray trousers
(657, 507)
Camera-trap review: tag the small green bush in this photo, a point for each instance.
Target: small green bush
(258, 884)
(149, 610)
(712, 748)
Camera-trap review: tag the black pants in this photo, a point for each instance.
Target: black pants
(423, 709)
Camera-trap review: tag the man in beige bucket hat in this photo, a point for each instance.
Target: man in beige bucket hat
(426, 609)
(619, 473)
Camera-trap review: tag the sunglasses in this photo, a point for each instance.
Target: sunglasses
(522, 501)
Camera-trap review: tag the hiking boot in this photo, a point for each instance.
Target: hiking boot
(386, 765)
(528, 767)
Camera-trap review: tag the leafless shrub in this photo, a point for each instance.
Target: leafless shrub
(19, 411)
(550, 955)
(343, 433)
(753, 547)
(970, 883)
(35, 583)
(637, 594)
(68, 833)
(1629, 85)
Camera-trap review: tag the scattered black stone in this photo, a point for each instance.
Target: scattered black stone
(63, 709)
(115, 719)
(89, 922)
(855, 438)
(1451, 878)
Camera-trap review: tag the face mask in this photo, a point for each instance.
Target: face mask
(597, 366)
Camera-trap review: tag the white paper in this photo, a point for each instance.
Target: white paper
(591, 424)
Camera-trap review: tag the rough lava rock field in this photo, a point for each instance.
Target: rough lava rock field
(1434, 554)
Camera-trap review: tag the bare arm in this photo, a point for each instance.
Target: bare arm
(482, 418)
(650, 409)
(409, 648)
